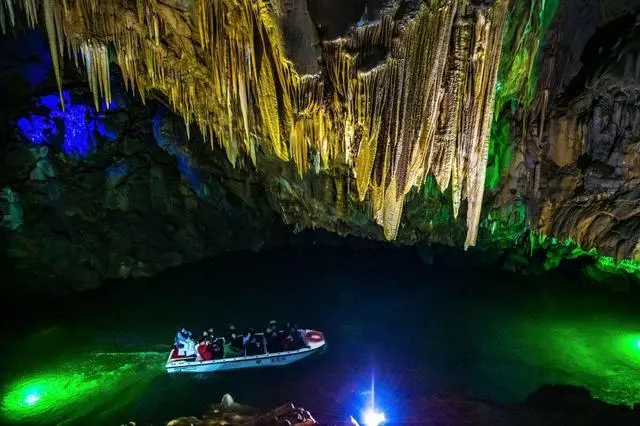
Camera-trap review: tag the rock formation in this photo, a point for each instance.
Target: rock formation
(549, 405)
(386, 121)
(427, 107)
(230, 413)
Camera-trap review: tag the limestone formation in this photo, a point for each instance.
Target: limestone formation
(382, 119)
(426, 108)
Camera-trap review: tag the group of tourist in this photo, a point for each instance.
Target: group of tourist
(282, 339)
(274, 338)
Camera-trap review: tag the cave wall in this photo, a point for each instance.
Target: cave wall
(588, 179)
(87, 196)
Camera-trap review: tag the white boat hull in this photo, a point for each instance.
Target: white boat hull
(253, 361)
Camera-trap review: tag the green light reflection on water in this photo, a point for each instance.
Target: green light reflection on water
(80, 386)
(600, 354)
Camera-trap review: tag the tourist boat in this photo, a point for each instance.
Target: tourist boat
(314, 342)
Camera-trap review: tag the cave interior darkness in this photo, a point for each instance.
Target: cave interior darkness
(449, 190)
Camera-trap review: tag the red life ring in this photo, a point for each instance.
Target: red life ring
(314, 336)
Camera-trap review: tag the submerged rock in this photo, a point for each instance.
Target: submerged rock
(229, 412)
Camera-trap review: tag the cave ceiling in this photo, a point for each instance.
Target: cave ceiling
(448, 121)
(404, 91)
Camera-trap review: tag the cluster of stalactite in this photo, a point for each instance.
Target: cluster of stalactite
(427, 108)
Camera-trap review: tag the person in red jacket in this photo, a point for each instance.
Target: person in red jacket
(204, 350)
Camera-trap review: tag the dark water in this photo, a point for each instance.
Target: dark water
(418, 329)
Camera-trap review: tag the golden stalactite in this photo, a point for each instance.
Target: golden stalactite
(426, 107)
(341, 197)
(96, 60)
(445, 159)
(489, 28)
(371, 90)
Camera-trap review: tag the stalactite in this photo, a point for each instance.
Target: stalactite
(488, 40)
(448, 127)
(341, 198)
(52, 34)
(427, 108)
(31, 11)
(96, 60)
(3, 26)
(6, 9)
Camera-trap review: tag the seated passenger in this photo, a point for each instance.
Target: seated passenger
(286, 329)
(273, 325)
(237, 343)
(188, 348)
(235, 340)
(184, 344)
(181, 337)
(248, 346)
(298, 341)
(287, 342)
(205, 352)
(273, 343)
(258, 345)
(178, 347)
(217, 350)
(255, 346)
(247, 342)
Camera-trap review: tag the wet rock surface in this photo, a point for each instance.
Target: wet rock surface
(90, 196)
(87, 197)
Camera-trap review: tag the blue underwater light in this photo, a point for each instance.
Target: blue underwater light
(371, 416)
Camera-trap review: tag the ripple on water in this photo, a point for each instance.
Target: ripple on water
(79, 386)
